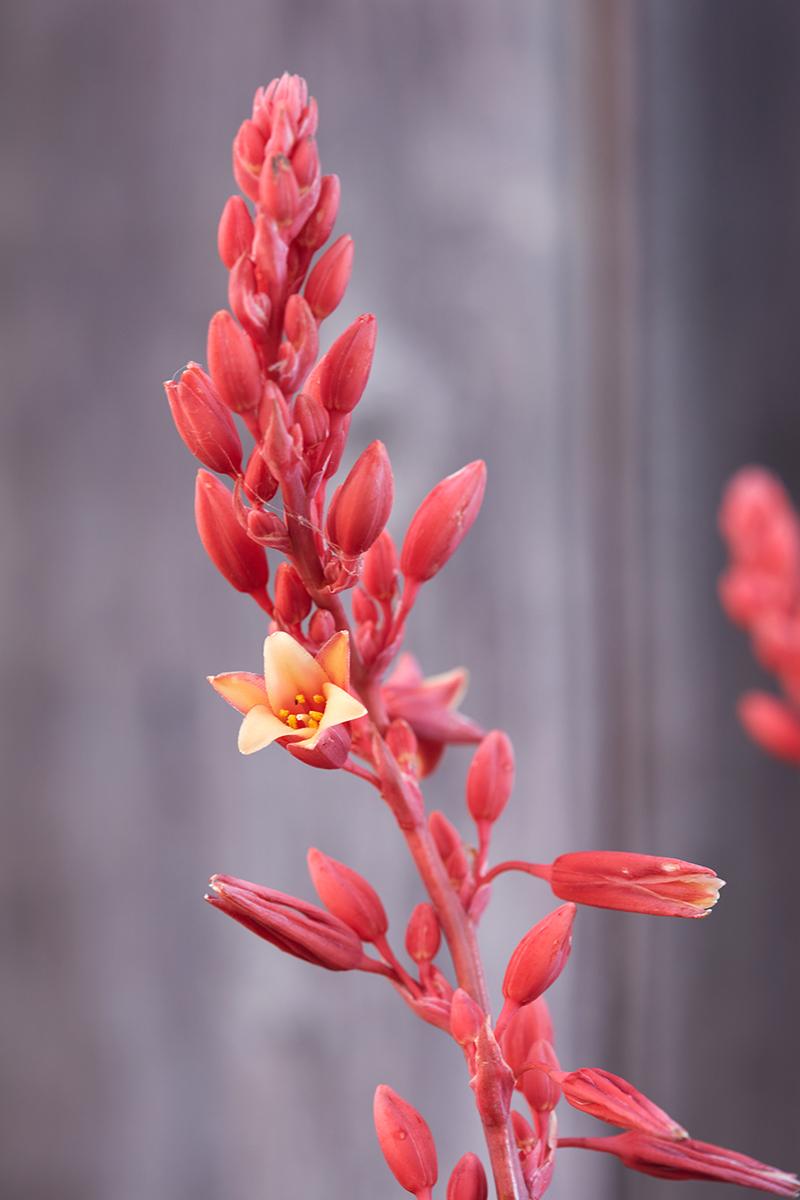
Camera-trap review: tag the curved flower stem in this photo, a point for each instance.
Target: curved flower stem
(540, 870)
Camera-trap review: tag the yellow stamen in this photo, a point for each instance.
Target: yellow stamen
(291, 721)
(283, 714)
(315, 716)
(299, 698)
(313, 724)
(319, 699)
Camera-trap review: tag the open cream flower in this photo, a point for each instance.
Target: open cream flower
(299, 696)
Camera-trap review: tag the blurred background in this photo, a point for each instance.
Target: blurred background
(578, 222)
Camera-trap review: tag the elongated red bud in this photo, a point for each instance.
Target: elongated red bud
(297, 355)
(365, 501)
(771, 723)
(524, 1135)
(468, 1180)
(322, 626)
(529, 1025)
(402, 741)
(270, 254)
(204, 423)
(344, 371)
(466, 1018)
(635, 883)
(330, 518)
(235, 233)
(313, 420)
(364, 609)
(442, 521)
(490, 777)
(260, 485)
(406, 1142)
(450, 847)
(328, 281)
(540, 957)
(381, 564)
(540, 1090)
(309, 118)
(269, 530)
(278, 191)
(251, 308)
(305, 162)
(423, 934)
(348, 896)
(233, 553)
(613, 1099)
(319, 226)
(233, 363)
(292, 601)
(248, 155)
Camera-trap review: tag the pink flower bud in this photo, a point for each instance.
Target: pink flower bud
(490, 777)
(278, 191)
(270, 254)
(540, 957)
(284, 128)
(402, 741)
(233, 553)
(319, 226)
(365, 501)
(268, 529)
(364, 609)
(297, 355)
(248, 155)
(328, 281)
(451, 850)
(235, 234)
(528, 1025)
(771, 723)
(423, 935)
(344, 370)
(466, 1018)
(259, 483)
(635, 883)
(348, 896)
(406, 1142)
(292, 601)
(442, 521)
(313, 420)
(309, 118)
(294, 926)
(612, 1099)
(251, 307)
(540, 1090)
(524, 1135)
(233, 363)
(305, 162)
(380, 568)
(321, 626)
(468, 1180)
(204, 423)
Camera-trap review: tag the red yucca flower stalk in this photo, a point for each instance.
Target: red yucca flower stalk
(339, 693)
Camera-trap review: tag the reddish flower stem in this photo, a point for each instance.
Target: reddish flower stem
(540, 870)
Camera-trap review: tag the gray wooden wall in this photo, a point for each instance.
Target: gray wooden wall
(578, 222)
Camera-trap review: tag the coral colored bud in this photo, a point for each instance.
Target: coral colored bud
(771, 723)
(319, 226)
(233, 363)
(269, 530)
(490, 777)
(450, 847)
(524, 1135)
(248, 155)
(616, 1101)
(313, 419)
(541, 1090)
(278, 190)
(406, 1142)
(540, 957)
(309, 119)
(233, 553)
(381, 564)
(529, 1025)
(293, 925)
(344, 370)
(292, 601)
(348, 896)
(635, 883)
(468, 1180)
(402, 741)
(423, 935)
(442, 521)
(364, 609)
(330, 518)
(305, 162)
(251, 307)
(466, 1018)
(284, 128)
(365, 501)
(328, 281)
(270, 253)
(260, 485)
(297, 354)
(204, 423)
(235, 233)
(321, 626)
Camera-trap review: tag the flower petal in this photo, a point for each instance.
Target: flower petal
(289, 670)
(240, 688)
(260, 728)
(340, 706)
(334, 658)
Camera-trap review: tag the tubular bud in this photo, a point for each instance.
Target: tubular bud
(442, 521)
(297, 355)
(233, 363)
(248, 155)
(449, 845)
(466, 1018)
(233, 553)
(364, 609)
(292, 601)
(321, 626)
(329, 278)
(635, 883)
(259, 483)
(541, 1090)
(406, 1142)
(529, 1025)
(423, 935)
(771, 723)
(268, 529)
(305, 162)
(204, 423)
(348, 896)
(612, 1099)
(524, 1135)
(319, 226)
(270, 254)
(251, 308)
(540, 957)
(235, 233)
(313, 420)
(365, 501)
(380, 568)
(490, 777)
(402, 741)
(344, 370)
(468, 1180)
(278, 191)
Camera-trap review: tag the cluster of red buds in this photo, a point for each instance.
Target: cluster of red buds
(327, 698)
(760, 590)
